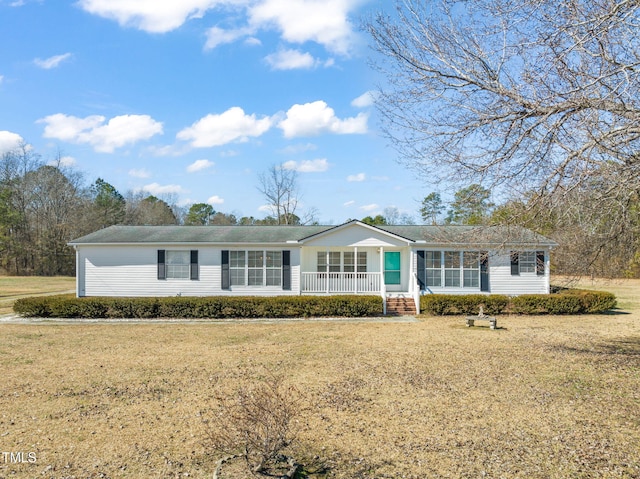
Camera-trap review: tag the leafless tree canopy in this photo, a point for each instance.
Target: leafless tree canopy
(544, 91)
(279, 186)
(537, 97)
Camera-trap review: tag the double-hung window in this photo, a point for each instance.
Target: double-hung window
(471, 269)
(255, 268)
(433, 263)
(178, 264)
(345, 262)
(528, 262)
(450, 269)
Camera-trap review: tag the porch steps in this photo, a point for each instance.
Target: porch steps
(400, 306)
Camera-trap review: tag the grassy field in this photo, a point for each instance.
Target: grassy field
(541, 397)
(14, 287)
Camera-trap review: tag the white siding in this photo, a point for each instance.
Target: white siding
(133, 271)
(503, 282)
(500, 279)
(355, 235)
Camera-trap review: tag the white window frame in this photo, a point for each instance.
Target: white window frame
(527, 262)
(454, 270)
(176, 267)
(258, 268)
(338, 262)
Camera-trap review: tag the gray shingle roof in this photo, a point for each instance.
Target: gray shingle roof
(476, 235)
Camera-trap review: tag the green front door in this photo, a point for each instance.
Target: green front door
(392, 267)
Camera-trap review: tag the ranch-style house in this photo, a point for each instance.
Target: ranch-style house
(352, 258)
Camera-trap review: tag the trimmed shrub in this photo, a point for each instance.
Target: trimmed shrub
(567, 302)
(211, 307)
(443, 304)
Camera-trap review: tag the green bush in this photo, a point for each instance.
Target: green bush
(567, 302)
(211, 307)
(443, 304)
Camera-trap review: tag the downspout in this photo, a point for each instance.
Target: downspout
(75, 247)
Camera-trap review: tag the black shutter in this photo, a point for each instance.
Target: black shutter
(422, 270)
(194, 264)
(540, 263)
(226, 283)
(484, 271)
(286, 270)
(515, 263)
(162, 270)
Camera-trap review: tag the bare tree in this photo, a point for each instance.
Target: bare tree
(279, 186)
(533, 95)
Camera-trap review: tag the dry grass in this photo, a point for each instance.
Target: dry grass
(541, 397)
(14, 287)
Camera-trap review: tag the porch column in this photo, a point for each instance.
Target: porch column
(326, 259)
(355, 270)
(383, 289)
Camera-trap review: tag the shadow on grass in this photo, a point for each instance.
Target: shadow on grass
(628, 348)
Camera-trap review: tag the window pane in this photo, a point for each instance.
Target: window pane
(434, 277)
(322, 262)
(274, 259)
(256, 259)
(471, 260)
(274, 277)
(362, 261)
(334, 261)
(528, 262)
(236, 277)
(451, 259)
(177, 257)
(471, 278)
(433, 259)
(349, 262)
(178, 264)
(255, 277)
(452, 277)
(236, 259)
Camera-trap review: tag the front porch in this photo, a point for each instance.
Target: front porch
(396, 303)
(342, 283)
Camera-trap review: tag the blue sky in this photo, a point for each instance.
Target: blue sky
(194, 98)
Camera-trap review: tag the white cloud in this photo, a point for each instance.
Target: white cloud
(357, 178)
(307, 166)
(199, 165)
(315, 118)
(217, 36)
(297, 149)
(64, 161)
(325, 22)
(322, 21)
(364, 100)
(215, 200)
(370, 208)
(119, 131)
(150, 15)
(139, 173)
(1, 79)
(349, 203)
(9, 141)
(290, 60)
(156, 189)
(232, 125)
(51, 62)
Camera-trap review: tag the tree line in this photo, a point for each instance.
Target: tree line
(45, 205)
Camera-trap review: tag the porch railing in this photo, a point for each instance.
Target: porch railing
(341, 282)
